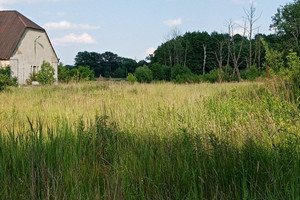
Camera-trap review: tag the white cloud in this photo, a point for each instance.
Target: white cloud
(73, 38)
(254, 3)
(173, 22)
(239, 27)
(68, 25)
(238, 1)
(150, 51)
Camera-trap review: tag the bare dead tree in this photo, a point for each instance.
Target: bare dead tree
(204, 58)
(236, 55)
(177, 45)
(251, 19)
(185, 52)
(228, 43)
(169, 50)
(219, 57)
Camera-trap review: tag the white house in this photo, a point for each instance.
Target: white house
(24, 46)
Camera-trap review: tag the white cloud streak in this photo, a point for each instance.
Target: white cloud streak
(68, 26)
(74, 39)
(238, 1)
(173, 22)
(150, 51)
(239, 27)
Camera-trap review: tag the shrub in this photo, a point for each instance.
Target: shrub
(64, 74)
(187, 78)
(46, 75)
(251, 74)
(119, 73)
(131, 78)
(143, 74)
(180, 71)
(160, 72)
(6, 79)
(82, 73)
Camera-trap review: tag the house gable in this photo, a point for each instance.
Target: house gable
(12, 27)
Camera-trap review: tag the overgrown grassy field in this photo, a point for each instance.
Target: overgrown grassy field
(149, 141)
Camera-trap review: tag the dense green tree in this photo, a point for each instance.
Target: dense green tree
(6, 78)
(143, 74)
(106, 64)
(286, 23)
(46, 75)
(160, 72)
(64, 74)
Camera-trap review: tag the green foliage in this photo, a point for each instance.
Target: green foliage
(83, 73)
(33, 77)
(180, 70)
(64, 74)
(293, 67)
(216, 75)
(251, 74)
(286, 22)
(119, 73)
(106, 64)
(131, 78)
(45, 76)
(292, 74)
(160, 72)
(6, 79)
(273, 59)
(143, 74)
(77, 74)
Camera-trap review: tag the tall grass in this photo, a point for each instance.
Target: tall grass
(160, 141)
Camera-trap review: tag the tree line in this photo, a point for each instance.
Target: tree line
(200, 56)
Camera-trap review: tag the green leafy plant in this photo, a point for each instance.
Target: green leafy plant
(46, 75)
(143, 74)
(131, 78)
(6, 78)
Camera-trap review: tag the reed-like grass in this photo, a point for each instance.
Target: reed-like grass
(148, 141)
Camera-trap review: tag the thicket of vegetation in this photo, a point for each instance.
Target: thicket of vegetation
(119, 140)
(6, 78)
(149, 141)
(215, 57)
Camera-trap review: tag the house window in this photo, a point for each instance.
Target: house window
(34, 69)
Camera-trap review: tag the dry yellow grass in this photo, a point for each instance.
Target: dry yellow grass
(145, 108)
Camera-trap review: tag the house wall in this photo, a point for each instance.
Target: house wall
(33, 48)
(4, 63)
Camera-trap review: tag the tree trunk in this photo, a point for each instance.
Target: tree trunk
(204, 60)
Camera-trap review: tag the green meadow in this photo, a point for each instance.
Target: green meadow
(114, 140)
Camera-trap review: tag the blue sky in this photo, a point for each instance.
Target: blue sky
(133, 28)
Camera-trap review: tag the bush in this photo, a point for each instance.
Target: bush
(82, 74)
(187, 78)
(46, 75)
(64, 74)
(143, 74)
(119, 73)
(251, 74)
(160, 72)
(131, 78)
(6, 79)
(216, 75)
(180, 71)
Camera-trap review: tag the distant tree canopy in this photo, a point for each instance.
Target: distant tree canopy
(193, 48)
(200, 56)
(286, 23)
(107, 64)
